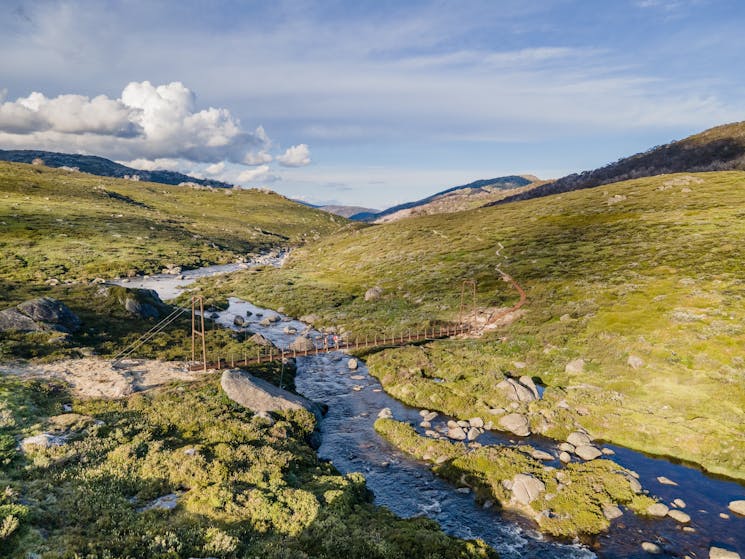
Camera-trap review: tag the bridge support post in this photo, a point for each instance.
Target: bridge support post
(198, 332)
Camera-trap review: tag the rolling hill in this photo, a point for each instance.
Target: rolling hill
(638, 284)
(718, 149)
(103, 167)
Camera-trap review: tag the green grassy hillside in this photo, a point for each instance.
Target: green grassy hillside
(71, 227)
(649, 269)
(67, 225)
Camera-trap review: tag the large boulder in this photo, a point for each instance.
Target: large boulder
(527, 382)
(13, 319)
(577, 438)
(738, 507)
(258, 339)
(302, 343)
(261, 396)
(142, 303)
(39, 314)
(516, 391)
(587, 452)
(526, 489)
(516, 423)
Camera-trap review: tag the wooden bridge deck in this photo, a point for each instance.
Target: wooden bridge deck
(349, 345)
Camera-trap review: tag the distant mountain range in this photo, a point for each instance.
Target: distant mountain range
(718, 149)
(457, 198)
(103, 167)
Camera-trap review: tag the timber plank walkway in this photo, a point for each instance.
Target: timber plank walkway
(355, 344)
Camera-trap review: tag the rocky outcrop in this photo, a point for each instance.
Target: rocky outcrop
(261, 396)
(142, 303)
(41, 314)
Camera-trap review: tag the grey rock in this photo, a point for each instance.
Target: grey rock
(50, 311)
(541, 455)
(352, 364)
(14, 320)
(738, 507)
(258, 339)
(166, 502)
(578, 439)
(261, 396)
(302, 343)
(611, 512)
(373, 294)
(289, 330)
(566, 447)
(457, 433)
(587, 452)
(476, 422)
(679, 515)
(565, 457)
(516, 423)
(525, 488)
(665, 481)
(239, 320)
(265, 322)
(430, 416)
(575, 366)
(634, 484)
(658, 509)
(680, 503)
(516, 391)
(652, 548)
(634, 362)
(473, 434)
(44, 440)
(143, 303)
(272, 318)
(721, 553)
(385, 413)
(526, 381)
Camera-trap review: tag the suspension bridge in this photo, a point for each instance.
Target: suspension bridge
(324, 343)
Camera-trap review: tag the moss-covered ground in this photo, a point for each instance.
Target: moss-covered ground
(571, 505)
(246, 486)
(649, 269)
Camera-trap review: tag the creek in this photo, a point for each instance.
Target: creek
(409, 488)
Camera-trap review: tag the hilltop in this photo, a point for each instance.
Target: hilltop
(721, 148)
(636, 284)
(457, 198)
(103, 167)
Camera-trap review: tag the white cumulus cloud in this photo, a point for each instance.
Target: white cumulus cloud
(261, 174)
(146, 122)
(295, 156)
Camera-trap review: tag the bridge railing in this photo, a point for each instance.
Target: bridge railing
(268, 355)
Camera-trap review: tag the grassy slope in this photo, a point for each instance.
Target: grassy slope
(75, 227)
(69, 225)
(250, 487)
(656, 274)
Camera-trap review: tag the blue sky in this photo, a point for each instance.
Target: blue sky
(370, 102)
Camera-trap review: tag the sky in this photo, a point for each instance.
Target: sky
(366, 102)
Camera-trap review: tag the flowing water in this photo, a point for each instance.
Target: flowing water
(409, 488)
